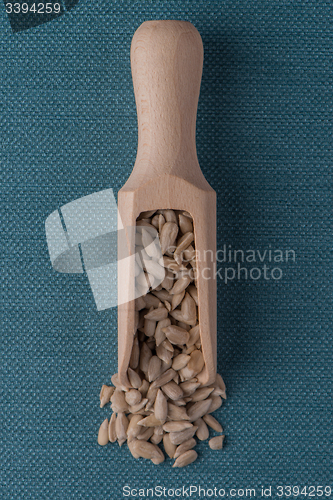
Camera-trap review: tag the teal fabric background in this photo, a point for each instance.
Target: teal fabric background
(264, 138)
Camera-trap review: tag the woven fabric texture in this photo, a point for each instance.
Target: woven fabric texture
(264, 140)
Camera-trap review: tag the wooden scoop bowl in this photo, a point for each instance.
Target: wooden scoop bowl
(166, 61)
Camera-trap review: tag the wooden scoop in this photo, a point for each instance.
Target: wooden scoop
(166, 60)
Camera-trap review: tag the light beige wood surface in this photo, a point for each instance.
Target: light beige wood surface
(166, 60)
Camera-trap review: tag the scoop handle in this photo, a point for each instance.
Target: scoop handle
(166, 61)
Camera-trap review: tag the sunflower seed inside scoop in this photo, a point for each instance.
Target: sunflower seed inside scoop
(168, 236)
(134, 379)
(176, 335)
(185, 224)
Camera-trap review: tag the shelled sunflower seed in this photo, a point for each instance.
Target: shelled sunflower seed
(164, 402)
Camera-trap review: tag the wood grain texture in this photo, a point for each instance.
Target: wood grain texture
(166, 60)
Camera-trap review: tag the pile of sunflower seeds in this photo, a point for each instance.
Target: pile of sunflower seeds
(165, 402)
